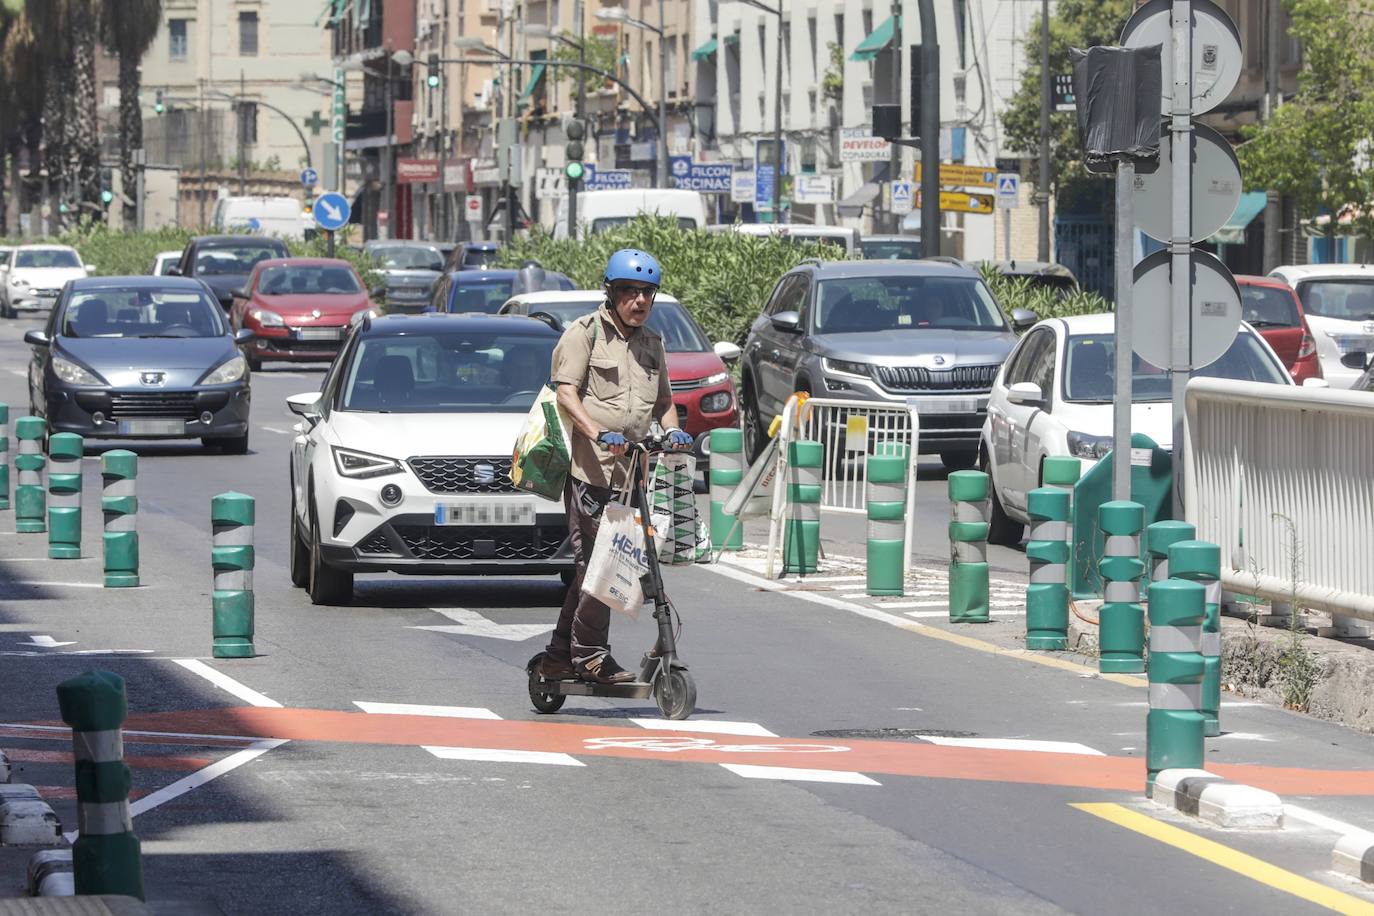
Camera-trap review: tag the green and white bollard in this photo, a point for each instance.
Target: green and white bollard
(968, 547)
(231, 554)
(802, 541)
(886, 524)
(1061, 473)
(1047, 595)
(106, 858)
(64, 496)
(119, 503)
(726, 471)
(30, 502)
(4, 456)
(1200, 561)
(1174, 726)
(1121, 622)
(1159, 537)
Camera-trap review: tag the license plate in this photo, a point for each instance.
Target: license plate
(947, 405)
(152, 427)
(320, 333)
(484, 513)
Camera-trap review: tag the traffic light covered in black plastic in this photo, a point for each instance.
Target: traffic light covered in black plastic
(106, 186)
(573, 152)
(433, 78)
(158, 105)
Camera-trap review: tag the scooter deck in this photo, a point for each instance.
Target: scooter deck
(633, 690)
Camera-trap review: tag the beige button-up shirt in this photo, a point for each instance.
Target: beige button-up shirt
(623, 381)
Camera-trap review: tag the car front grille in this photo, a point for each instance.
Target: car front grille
(915, 378)
(180, 405)
(473, 542)
(690, 384)
(376, 543)
(441, 474)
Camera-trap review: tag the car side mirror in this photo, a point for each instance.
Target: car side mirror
(1023, 318)
(174, 271)
(1355, 359)
(787, 321)
(727, 351)
(305, 405)
(240, 293)
(37, 338)
(1027, 393)
(91, 269)
(243, 335)
(377, 292)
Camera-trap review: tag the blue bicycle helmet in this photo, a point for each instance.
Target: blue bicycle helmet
(632, 264)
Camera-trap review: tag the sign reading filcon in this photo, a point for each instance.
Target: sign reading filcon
(708, 177)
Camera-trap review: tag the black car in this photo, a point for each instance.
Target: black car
(485, 291)
(141, 358)
(225, 261)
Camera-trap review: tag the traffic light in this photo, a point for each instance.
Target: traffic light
(433, 78)
(106, 186)
(158, 106)
(574, 169)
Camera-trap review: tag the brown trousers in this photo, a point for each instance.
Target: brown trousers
(584, 624)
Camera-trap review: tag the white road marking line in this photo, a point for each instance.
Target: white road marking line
(800, 774)
(1246, 736)
(901, 605)
(712, 726)
(225, 682)
(66, 730)
(22, 373)
(833, 579)
(471, 623)
(415, 709)
(503, 755)
(1015, 744)
(274, 429)
(1005, 611)
(1320, 820)
(61, 584)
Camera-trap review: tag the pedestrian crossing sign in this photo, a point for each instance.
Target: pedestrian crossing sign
(1008, 190)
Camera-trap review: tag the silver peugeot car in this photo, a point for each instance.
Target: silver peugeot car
(922, 332)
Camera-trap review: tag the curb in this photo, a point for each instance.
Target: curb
(1207, 796)
(50, 874)
(25, 819)
(1354, 856)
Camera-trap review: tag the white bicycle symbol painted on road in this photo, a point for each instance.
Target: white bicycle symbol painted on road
(673, 745)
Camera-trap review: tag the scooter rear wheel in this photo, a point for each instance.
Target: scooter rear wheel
(544, 702)
(676, 694)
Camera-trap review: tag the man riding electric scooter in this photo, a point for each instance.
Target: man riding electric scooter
(612, 378)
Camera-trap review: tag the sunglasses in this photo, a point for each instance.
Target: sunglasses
(621, 291)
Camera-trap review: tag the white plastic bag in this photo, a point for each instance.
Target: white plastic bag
(674, 513)
(617, 561)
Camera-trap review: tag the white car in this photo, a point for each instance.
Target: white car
(37, 274)
(402, 460)
(1053, 397)
(163, 261)
(1338, 301)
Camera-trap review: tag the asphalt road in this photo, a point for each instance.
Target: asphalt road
(841, 767)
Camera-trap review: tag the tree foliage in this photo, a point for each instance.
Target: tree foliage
(601, 54)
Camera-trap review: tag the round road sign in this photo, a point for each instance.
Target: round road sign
(1215, 312)
(1216, 186)
(331, 211)
(1217, 59)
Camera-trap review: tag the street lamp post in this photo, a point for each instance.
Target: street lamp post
(579, 97)
(777, 109)
(1042, 193)
(620, 14)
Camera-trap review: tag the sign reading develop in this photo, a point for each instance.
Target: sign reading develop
(956, 202)
(417, 171)
(964, 176)
(858, 145)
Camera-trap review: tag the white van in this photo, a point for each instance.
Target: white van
(598, 211)
(279, 217)
(839, 236)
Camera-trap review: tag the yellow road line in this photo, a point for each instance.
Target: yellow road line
(1230, 859)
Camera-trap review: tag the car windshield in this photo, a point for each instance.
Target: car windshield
(46, 257)
(453, 372)
(407, 257)
(892, 249)
(679, 332)
(308, 280)
(1268, 307)
(850, 305)
(478, 257)
(148, 312)
(1090, 372)
(601, 224)
(232, 260)
(1351, 300)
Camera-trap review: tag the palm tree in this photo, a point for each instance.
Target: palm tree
(128, 27)
(25, 69)
(66, 29)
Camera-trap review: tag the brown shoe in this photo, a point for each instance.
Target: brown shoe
(556, 667)
(602, 669)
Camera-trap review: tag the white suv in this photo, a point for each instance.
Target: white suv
(1338, 300)
(402, 460)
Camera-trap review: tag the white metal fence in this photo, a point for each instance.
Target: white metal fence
(849, 432)
(1259, 456)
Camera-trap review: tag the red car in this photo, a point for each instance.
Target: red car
(297, 308)
(1272, 308)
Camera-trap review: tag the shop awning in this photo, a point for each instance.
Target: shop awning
(732, 38)
(854, 204)
(333, 11)
(705, 50)
(1252, 204)
(879, 39)
(536, 73)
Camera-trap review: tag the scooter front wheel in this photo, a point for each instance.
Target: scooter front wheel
(676, 694)
(544, 702)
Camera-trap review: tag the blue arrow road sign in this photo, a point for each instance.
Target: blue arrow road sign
(310, 177)
(331, 211)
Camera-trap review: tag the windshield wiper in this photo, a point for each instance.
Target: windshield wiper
(1261, 323)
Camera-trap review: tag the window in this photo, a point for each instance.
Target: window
(839, 32)
(886, 304)
(1028, 356)
(817, 66)
(961, 31)
(142, 313)
(670, 66)
(248, 33)
(177, 42)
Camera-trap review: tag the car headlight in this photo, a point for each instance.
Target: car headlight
(1093, 448)
(74, 374)
(716, 403)
(863, 370)
(267, 318)
(362, 464)
(360, 314)
(717, 378)
(231, 370)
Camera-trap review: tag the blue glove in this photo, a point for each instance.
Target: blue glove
(610, 439)
(680, 440)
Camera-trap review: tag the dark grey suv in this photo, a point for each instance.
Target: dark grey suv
(923, 332)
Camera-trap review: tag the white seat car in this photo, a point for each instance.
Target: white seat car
(1338, 302)
(1053, 396)
(36, 276)
(402, 460)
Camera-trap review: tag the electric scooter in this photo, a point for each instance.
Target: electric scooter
(661, 675)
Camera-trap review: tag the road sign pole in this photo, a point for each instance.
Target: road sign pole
(329, 243)
(1125, 280)
(1006, 234)
(1181, 249)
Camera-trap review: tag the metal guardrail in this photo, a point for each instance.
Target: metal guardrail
(1258, 456)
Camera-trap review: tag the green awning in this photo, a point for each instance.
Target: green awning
(732, 38)
(536, 72)
(333, 11)
(1252, 204)
(880, 38)
(705, 50)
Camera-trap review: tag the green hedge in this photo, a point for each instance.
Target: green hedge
(1018, 293)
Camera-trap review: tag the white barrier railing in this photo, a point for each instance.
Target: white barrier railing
(1258, 456)
(849, 431)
